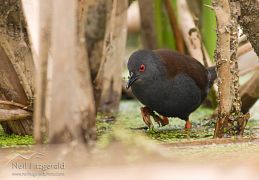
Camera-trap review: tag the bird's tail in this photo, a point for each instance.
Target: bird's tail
(212, 74)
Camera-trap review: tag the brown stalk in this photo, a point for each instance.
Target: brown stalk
(174, 25)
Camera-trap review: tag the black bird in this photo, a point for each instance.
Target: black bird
(169, 83)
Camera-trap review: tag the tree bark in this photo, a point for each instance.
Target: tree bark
(230, 120)
(222, 56)
(16, 82)
(249, 21)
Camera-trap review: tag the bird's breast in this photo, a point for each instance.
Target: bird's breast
(169, 97)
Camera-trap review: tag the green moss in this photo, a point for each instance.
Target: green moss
(14, 140)
(129, 118)
(129, 122)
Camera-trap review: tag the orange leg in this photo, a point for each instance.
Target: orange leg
(188, 125)
(146, 112)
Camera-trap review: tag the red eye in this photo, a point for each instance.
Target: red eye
(142, 68)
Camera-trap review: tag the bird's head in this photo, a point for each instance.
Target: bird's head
(143, 65)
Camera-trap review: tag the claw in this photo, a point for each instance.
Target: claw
(157, 119)
(160, 121)
(146, 112)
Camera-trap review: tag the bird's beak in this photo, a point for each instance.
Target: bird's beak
(132, 79)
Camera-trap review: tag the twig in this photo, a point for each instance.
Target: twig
(248, 70)
(244, 49)
(208, 6)
(14, 114)
(21, 106)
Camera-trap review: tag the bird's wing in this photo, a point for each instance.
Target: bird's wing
(176, 63)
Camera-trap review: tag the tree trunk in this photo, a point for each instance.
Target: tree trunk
(16, 82)
(98, 15)
(98, 12)
(230, 120)
(222, 57)
(39, 33)
(72, 112)
(112, 75)
(249, 21)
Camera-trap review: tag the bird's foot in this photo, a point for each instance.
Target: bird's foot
(157, 119)
(188, 125)
(146, 112)
(160, 121)
(165, 121)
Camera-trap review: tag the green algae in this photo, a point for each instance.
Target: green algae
(129, 119)
(14, 140)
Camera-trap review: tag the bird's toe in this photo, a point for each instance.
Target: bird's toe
(145, 112)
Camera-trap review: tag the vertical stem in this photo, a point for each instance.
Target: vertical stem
(235, 12)
(230, 120)
(222, 57)
(175, 27)
(72, 116)
(148, 29)
(41, 72)
(208, 28)
(113, 67)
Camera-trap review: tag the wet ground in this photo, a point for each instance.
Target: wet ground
(124, 150)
